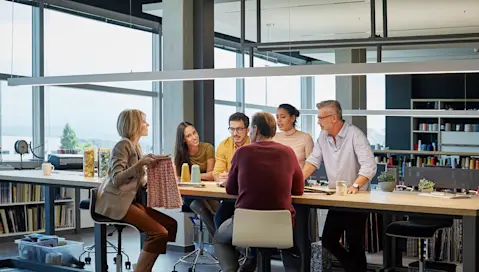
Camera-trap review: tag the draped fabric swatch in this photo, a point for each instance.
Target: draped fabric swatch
(162, 188)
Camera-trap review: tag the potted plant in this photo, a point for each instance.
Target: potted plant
(387, 182)
(425, 185)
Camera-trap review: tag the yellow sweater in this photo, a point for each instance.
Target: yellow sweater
(224, 153)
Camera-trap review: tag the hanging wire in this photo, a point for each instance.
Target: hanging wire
(131, 26)
(289, 29)
(267, 58)
(465, 91)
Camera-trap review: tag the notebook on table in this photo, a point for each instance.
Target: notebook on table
(445, 195)
(191, 184)
(319, 189)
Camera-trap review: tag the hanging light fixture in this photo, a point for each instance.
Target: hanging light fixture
(352, 69)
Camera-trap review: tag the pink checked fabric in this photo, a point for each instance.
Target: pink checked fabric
(162, 189)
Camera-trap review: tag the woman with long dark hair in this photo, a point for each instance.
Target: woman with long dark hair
(189, 149)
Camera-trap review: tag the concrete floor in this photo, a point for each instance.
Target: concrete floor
(165, 262)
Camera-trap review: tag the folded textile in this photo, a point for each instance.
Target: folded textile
(162, 188)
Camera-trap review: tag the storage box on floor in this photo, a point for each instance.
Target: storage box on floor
(50, 250)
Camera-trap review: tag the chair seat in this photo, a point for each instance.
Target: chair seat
(416, 229)
(85, 205)
(104, 220)
(262, 228)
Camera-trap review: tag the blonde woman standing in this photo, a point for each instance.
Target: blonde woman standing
(126, 173)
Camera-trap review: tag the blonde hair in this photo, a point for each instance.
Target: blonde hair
(129, 122)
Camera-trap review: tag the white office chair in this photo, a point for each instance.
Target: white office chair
(264, 230)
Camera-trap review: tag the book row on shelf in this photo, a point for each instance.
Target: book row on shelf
(11, 192)
(21, 219)
(463, 162)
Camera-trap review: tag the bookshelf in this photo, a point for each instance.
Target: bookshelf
(22, 209)
(445, 134)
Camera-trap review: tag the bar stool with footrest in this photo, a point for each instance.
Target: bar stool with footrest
(199, 256)
(422, 229)
(267, 231)
(118, 225)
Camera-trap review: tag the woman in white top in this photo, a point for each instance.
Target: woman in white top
(301, 142)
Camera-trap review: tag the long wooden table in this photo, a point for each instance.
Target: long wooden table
(388, 204)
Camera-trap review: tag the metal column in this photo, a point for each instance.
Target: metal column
(240, 90)
(203, 54)
(157, 100)
(38, 93)
(307, 102)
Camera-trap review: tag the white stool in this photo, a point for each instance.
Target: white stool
(264, 230)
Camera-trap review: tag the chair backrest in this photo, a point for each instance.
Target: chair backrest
(93, 202)
(262, 229)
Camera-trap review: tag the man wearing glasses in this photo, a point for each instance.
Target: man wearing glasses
(239, 131)
(347, 156)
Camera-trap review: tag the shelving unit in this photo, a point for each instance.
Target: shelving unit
(450, 251)
(21, 209)
(425, 153)
(448, 134)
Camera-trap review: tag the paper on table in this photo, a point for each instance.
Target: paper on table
(319, 189)
(446, 196)
(191, 184)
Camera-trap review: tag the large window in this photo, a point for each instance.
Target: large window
(222, 114)
(76, 45)
(91, 116)
(225, 89)
(324, 89)
(272, 91)
(15, 38)
(16, 118)
(376, 100)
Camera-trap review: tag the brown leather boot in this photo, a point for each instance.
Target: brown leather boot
(146, 261)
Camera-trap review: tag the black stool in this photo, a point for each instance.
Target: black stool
(118, 225)
(264, 258)
(418, 228)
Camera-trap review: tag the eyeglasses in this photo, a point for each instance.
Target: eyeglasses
(321, 119)
(238, 129)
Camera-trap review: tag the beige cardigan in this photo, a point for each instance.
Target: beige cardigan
(118, 191)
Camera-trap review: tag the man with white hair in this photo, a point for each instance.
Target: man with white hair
(347, 156)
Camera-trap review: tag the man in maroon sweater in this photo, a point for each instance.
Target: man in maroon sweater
(264, 175)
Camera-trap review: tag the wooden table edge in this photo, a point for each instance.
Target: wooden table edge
(318, 203)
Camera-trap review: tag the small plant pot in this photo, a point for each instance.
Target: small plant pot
(387, 186)
(427, 190)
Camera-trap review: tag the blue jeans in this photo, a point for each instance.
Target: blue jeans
(225, 211)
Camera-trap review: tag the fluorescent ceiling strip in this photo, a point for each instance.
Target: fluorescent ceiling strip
(406, 113)
(433, 67)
